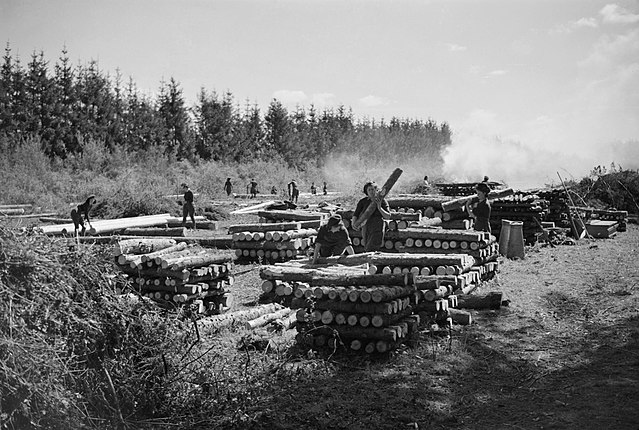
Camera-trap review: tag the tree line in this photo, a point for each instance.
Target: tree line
(65, 106)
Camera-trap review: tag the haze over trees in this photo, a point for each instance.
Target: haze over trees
(66, 106)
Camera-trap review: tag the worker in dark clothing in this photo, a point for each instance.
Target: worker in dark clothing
(479, 208)
(79, 211)
(325, 188)
(274, 190)
(188, 209)
(332, 239)
(228, 187)
(253, 190)
(293, 191)
(373, 227)
(313, 188)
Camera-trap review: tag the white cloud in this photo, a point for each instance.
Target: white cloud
(452, 47)
(497, 73)
(615, 14)
(323, 99)
(288, 97)
(575, 25)
(373, 101)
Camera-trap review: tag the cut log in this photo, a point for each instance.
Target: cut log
(141, 246)
(382, 193)
(199, 260)
(460, 316)
(265, 319)
(293, 215)
(238, 317)
(461, 202)
(171, 249)
(490, 300)
(109, 226)
(317, 277)
(264, 227)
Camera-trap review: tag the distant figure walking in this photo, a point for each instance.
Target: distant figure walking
(325, 188)
(228, 187)
(253, 190)
(313, 188)
(293, 191)
(188, 209)
(79, 211)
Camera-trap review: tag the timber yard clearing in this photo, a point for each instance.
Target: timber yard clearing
(561, 352)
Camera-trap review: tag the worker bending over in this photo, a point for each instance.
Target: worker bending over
(332, 239)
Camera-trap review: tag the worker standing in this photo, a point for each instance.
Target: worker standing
(188, 209)
(293, 191)
(228, 187)
(480, 209)
(253, 186)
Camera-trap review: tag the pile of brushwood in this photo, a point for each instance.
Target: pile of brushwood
(73, 353)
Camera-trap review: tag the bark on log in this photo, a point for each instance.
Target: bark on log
(460, 316)
(179, 232)
(199, 260)
(461, 202)
(171, 249)
(141, 246)
(317, 277)
(437, 234)
(293, 215)
(490, 300)
(265, 319)
(382, 193)
(417, 201)
(233, 318)
(269, 245)
(264, 227)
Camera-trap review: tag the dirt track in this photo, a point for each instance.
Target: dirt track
(564, 354)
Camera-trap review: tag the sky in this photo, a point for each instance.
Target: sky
(530, 88)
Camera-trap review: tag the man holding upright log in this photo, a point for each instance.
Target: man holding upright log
(372, 210)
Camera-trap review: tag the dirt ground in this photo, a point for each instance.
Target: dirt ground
(564, 354)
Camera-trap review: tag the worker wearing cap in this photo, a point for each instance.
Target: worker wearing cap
(479, 208)
(332, 239)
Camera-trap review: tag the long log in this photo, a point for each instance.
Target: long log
(256, 208)
(293, 215)
(12, 211)
(264, 227)
(109, 226)
(461, 202)
(180, 232)
(417, 201)
(269, 244)
(439, 234)
(200, 260)
(237, 317)
(317, 277)
(382, 193)
(141, 246)
(267, 318)
(171, 249)
(490, 300)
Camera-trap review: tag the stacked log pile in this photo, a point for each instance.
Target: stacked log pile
(528, 208)
(371, 313)
(271, 242)
(558, 206)
(175, 274)
(592, 214)
(459, 189)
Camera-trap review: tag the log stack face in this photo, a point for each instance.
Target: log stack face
(524, 207)
(176, 274)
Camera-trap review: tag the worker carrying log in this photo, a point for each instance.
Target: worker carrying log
(332, 239)
(479, 208)
(188, 209)
(79, 211)
(373, 226)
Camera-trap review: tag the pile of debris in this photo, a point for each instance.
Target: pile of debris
(175, 274)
